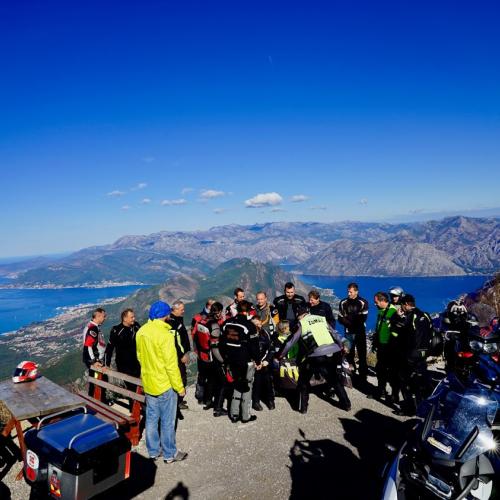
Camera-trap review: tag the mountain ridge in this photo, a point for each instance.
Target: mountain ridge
(451, 246)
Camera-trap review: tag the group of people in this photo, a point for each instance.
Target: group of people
(238, 347)
(402, 341)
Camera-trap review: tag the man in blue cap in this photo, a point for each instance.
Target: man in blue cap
(162, 383)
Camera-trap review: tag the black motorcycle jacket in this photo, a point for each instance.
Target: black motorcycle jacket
(287, 309)
(353, 314)
(182, 343)
(324, 309)
(122, 340)
(239, 340)
(413, 332)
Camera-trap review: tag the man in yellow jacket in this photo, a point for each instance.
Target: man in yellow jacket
(161, 380)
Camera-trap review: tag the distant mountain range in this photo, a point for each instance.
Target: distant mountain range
(451, 246)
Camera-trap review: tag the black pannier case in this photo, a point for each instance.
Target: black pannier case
(76, 458)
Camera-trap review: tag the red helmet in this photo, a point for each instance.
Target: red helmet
(25, 372)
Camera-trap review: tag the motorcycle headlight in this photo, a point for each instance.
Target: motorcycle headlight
(490, 348)
(476, 345)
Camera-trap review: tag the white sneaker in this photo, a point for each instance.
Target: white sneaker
(179, 456)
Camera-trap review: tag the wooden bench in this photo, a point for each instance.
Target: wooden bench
(131, 422)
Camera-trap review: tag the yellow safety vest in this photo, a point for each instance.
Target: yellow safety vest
(315, 332)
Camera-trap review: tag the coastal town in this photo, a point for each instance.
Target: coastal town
(47, 341)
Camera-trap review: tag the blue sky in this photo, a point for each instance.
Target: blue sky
(133, 117)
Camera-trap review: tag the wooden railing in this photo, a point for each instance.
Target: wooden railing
(132, 421)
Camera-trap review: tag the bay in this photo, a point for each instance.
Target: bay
(20, 307)
(432, 294)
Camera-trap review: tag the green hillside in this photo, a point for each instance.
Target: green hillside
(124, 265)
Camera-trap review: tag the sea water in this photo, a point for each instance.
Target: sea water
(20, 307)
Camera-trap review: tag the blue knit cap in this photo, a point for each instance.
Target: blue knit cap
(159, 309)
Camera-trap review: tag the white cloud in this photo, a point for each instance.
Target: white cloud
(146, 201)
(209, 194)
(180, 201)
(186, 190)
(299, 198)
(318, 207)
(264, 200)
(148, 159)
(126, 207)
(139, 186)
(277, 209)
(116, 193)
(219, 210)
(363, 201)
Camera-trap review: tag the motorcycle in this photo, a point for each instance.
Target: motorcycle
(452, 452)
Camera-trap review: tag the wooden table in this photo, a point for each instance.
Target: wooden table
(33, 400)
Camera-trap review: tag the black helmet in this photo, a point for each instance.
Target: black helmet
(215, 308)
(302, 309)
(456, 313)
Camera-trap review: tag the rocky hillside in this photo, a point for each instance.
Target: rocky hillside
(473, 244)
(455, 245)
(485, 302)
(395, 257)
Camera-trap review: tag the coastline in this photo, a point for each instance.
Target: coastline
(53, 286)
(478, 275)
(68, 313)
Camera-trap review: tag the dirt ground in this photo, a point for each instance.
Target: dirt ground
(327, 453)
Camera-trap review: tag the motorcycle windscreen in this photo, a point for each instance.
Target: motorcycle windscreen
(459, 427)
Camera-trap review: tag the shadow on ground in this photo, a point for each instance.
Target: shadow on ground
(9, 455)
(4, 491)
(325, 469)
(143, 473)
(180, 492)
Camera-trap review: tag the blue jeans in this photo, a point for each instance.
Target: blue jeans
(162, 408)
